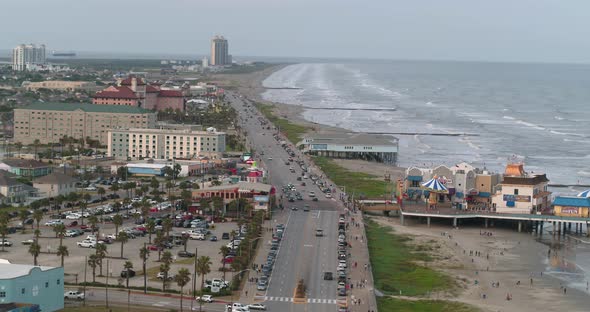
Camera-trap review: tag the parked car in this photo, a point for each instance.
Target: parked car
(87, 244)
(256, 306)
(127, 273)
(225, 236)
(205, 298)
(74, 295)
(28, 241)
(185, 254)
(5, 243)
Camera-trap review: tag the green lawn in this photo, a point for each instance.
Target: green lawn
(387, 304)
(397, 265)
(293, 131)
(358, 183)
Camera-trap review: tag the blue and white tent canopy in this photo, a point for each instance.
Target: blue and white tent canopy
(435, 186)
(585, 194)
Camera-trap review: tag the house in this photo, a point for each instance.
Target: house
(41, 285)
(55, 184)
(27, 168)
(522, 192)
(12, 191)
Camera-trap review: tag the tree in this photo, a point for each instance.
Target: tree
(117, 221)
(3, 226)
(204, 204)
(167, 226)
(182, 278)
(93, 262)
(165, 267)
(115, 188)
(159, 242)
(93, 221)
(123, 238)
(23, 216)
(127, 266)
(37, 214)
(144, 254)
(101, 253)
(169, 187)
(203, 268)
(122, 173)
(62, 251)
(150, 227)
(224, 251)
(101, 191)
(187, 198)
(60, 231)
(35, 250)
(154, 184)
(217, 206)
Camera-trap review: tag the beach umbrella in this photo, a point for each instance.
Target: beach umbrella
(434, 185)
(585, 194)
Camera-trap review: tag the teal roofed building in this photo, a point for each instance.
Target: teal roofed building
(40, 285)
(27, 168)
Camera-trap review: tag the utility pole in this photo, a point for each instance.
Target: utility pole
(144, 269)
(85, 266)
(107, 286)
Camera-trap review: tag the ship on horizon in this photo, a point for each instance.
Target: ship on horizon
(63, 53)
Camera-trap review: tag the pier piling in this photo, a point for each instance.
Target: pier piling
(428, 221)
(519, 226)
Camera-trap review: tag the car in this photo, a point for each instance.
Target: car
(87, 244)
(73, 216)
(74, 295)
(127, 273)
(256, 306)
(342, 292)
(270, 158)
(294, 208)
(185, 254)
(225, 236)
(306, 207)
(315, 199)
(5, 243)
(213, 238)
(205, 298)
(319, 232)
(154, 248)
(328, 195)
(311, 194)
(53, 222)
(91, 188)
(28, 241)
(328, 276)
(197, 236)
(161, 275)
(73, 223)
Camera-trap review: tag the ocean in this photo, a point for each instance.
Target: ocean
(532, 112)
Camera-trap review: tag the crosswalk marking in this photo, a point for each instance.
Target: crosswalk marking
(309, 300)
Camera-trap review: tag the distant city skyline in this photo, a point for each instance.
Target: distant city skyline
(503, 30)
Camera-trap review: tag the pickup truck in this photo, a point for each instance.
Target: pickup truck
(5, 243)
(74, 295)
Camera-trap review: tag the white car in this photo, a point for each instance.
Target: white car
(87, 244)
(74, 295)
(73, 216)
(328, 195)
(199, 236)
(91, 188)
(312, 194)
(161, 275)
(205, 298)
(53, 222)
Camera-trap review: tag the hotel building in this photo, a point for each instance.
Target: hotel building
(25, 55)
(49, 122)
(165, 143)
(220, 51)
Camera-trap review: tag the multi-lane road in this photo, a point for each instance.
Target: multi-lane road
(302, 255)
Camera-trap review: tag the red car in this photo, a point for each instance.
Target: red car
(73, 223)
(141, 228)
(228, 259)
(154, 248)
(83, 227)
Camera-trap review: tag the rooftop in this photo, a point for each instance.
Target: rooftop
(572, 201)
(170, 93)
(10, 271)
(353, 139)
(8, 179)
(241, 186)
(55, 178)
(166, 131)
(89, 108)
(24, 163)
(116, 93)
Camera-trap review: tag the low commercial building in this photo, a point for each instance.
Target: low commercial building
(41, 285)
(257, 194)
(165, 143)
(353, 145)
(27, 168)
(55, 184)
(522, 192)
(50, 122)
(565, 206)
(62, 85)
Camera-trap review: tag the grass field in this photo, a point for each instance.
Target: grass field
(358, 183)
(398, 266)
(292, 131)
(386, 304)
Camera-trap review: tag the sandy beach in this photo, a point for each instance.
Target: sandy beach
(504, 257)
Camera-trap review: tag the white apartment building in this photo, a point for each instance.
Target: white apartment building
(26, 55)
(165, 143)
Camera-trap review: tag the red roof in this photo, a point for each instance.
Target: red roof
(117, 93)
(170, 93)
(127, 81)
(151, 89)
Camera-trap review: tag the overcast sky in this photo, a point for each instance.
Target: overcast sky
(498, 30)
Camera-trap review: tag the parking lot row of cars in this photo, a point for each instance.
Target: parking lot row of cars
(343, 254)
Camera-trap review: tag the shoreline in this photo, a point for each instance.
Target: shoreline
(506, 258)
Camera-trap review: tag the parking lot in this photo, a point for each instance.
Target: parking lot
(74, 264)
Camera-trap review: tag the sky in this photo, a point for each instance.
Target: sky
(499, 30)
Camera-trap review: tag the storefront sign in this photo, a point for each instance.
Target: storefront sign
(569, 210)
(517, 198)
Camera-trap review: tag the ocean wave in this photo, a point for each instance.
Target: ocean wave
(567, 133)
(559, 157)
(524, 123)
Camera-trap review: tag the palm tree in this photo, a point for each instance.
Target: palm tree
(83, 206)
(101, 191)
(150, 227)
(62, 251)
(60, 231)
(93, 221)
(3, 227)
(117, 221)
(159, 242)
(167, 226)
(23, 216)
(93, 262)
(165, 267)
(203, 268)
(115, 188)
(169, 186)
(144, 254)
(224, 251)
(122, 238)
(128, 266)
(35, 250)
(38, 216)
(182, 278)
(101, 253)
(36, 146)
